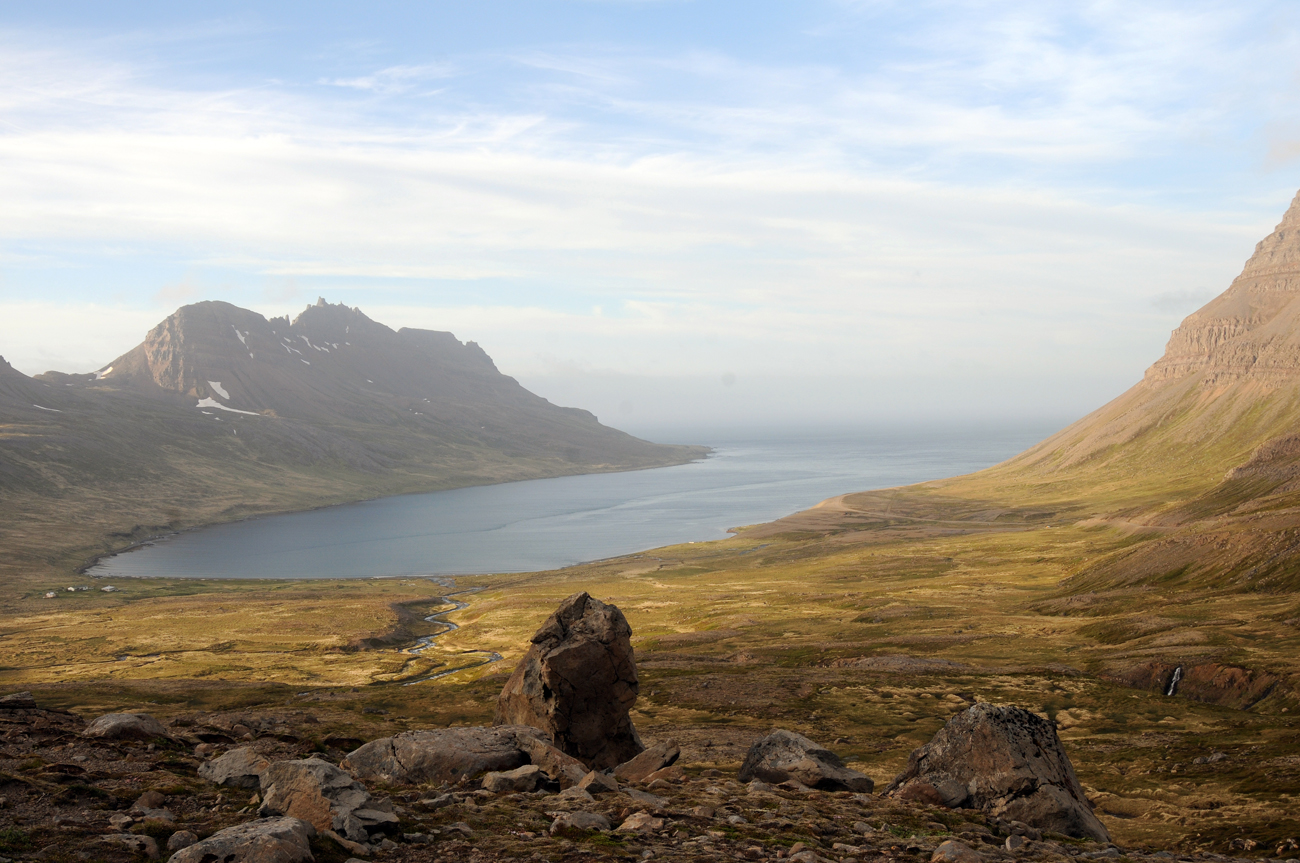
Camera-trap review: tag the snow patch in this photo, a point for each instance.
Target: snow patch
(219, 389)
(213, 403)
(304, 361)
(51, 410)
(99, 376)
(242, 341)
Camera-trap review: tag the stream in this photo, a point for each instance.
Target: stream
(423, 643)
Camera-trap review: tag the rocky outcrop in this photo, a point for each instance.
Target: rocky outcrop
(558, 766)
(1007, 762)
(443, 754)
(125, 726)
(325, 797)
(238, 768)
(1205, 680)
(784, 755)
(577, 683)
(267, 840)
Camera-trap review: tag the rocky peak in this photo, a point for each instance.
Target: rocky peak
(1251, 330)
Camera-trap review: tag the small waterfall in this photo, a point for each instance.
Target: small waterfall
(1173, 681)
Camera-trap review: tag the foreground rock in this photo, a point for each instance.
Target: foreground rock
(784, 755)
(577, 683)
(268, 840)
(521, 779)
(238, 768)
(125, 726)
(449, 755)
(325, 797)
(1007, 762)
(654, 759)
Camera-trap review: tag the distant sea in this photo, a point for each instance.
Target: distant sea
(551, 523)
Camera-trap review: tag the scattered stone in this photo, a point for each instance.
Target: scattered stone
(863, 828)
(347, 844)
(579, 821)
(144, 845)
(1007, 762)
(120, 820)
(125, 726)
(238, 768)
(577, 682)
(181, 839)
(596, 782)
(953, 851)
(655, 758)
(326, 797)
(521, 779)
(783, 755)
(641, 822)
(1014, 842)
(558, 766)
(440, 755)
(645, 799)
(18, 701)
(267, 840)
(149, 800)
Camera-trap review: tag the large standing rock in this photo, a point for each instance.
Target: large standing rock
(1007, 762)
(784, 755)
(325, 797)
(240, 768)
(442, 754)
(577, 683)
(125, 726)
(268, 840)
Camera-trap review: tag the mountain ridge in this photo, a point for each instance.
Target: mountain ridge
(222, 413)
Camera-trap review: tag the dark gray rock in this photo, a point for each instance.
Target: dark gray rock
(783, 756)
(1007, 762)
(577, 683)
(267, 840)
(238, 768)
(441, 754)
(125, 726)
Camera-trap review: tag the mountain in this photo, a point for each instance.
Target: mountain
(221, 413)
(1200, 459)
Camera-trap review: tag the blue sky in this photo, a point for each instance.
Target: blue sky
(671, 213)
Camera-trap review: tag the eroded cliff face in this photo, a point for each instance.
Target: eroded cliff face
(1251, 330)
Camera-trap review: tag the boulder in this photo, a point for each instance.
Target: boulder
(125, 726)
(579, 821)
(325, 797)
(18, 701)
(577, 683)
(521, 779)
(655, 758)
(558, 766)
(596, 782)
(181, 839)
(239, 768)
(144, 846)
(267, 840)
(953, 851)
(641, 822)
(783, 756)
(1007, 762)
(440, 755)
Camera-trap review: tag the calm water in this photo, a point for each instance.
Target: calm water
(549, 523)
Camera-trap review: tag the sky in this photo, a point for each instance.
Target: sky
(819, 214)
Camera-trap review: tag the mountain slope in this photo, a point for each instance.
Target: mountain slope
(220, 413)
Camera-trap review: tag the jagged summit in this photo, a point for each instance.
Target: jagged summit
(1251, 330)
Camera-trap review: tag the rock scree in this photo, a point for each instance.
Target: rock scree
(577, 683)
(1007, 762)
(784, 755)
